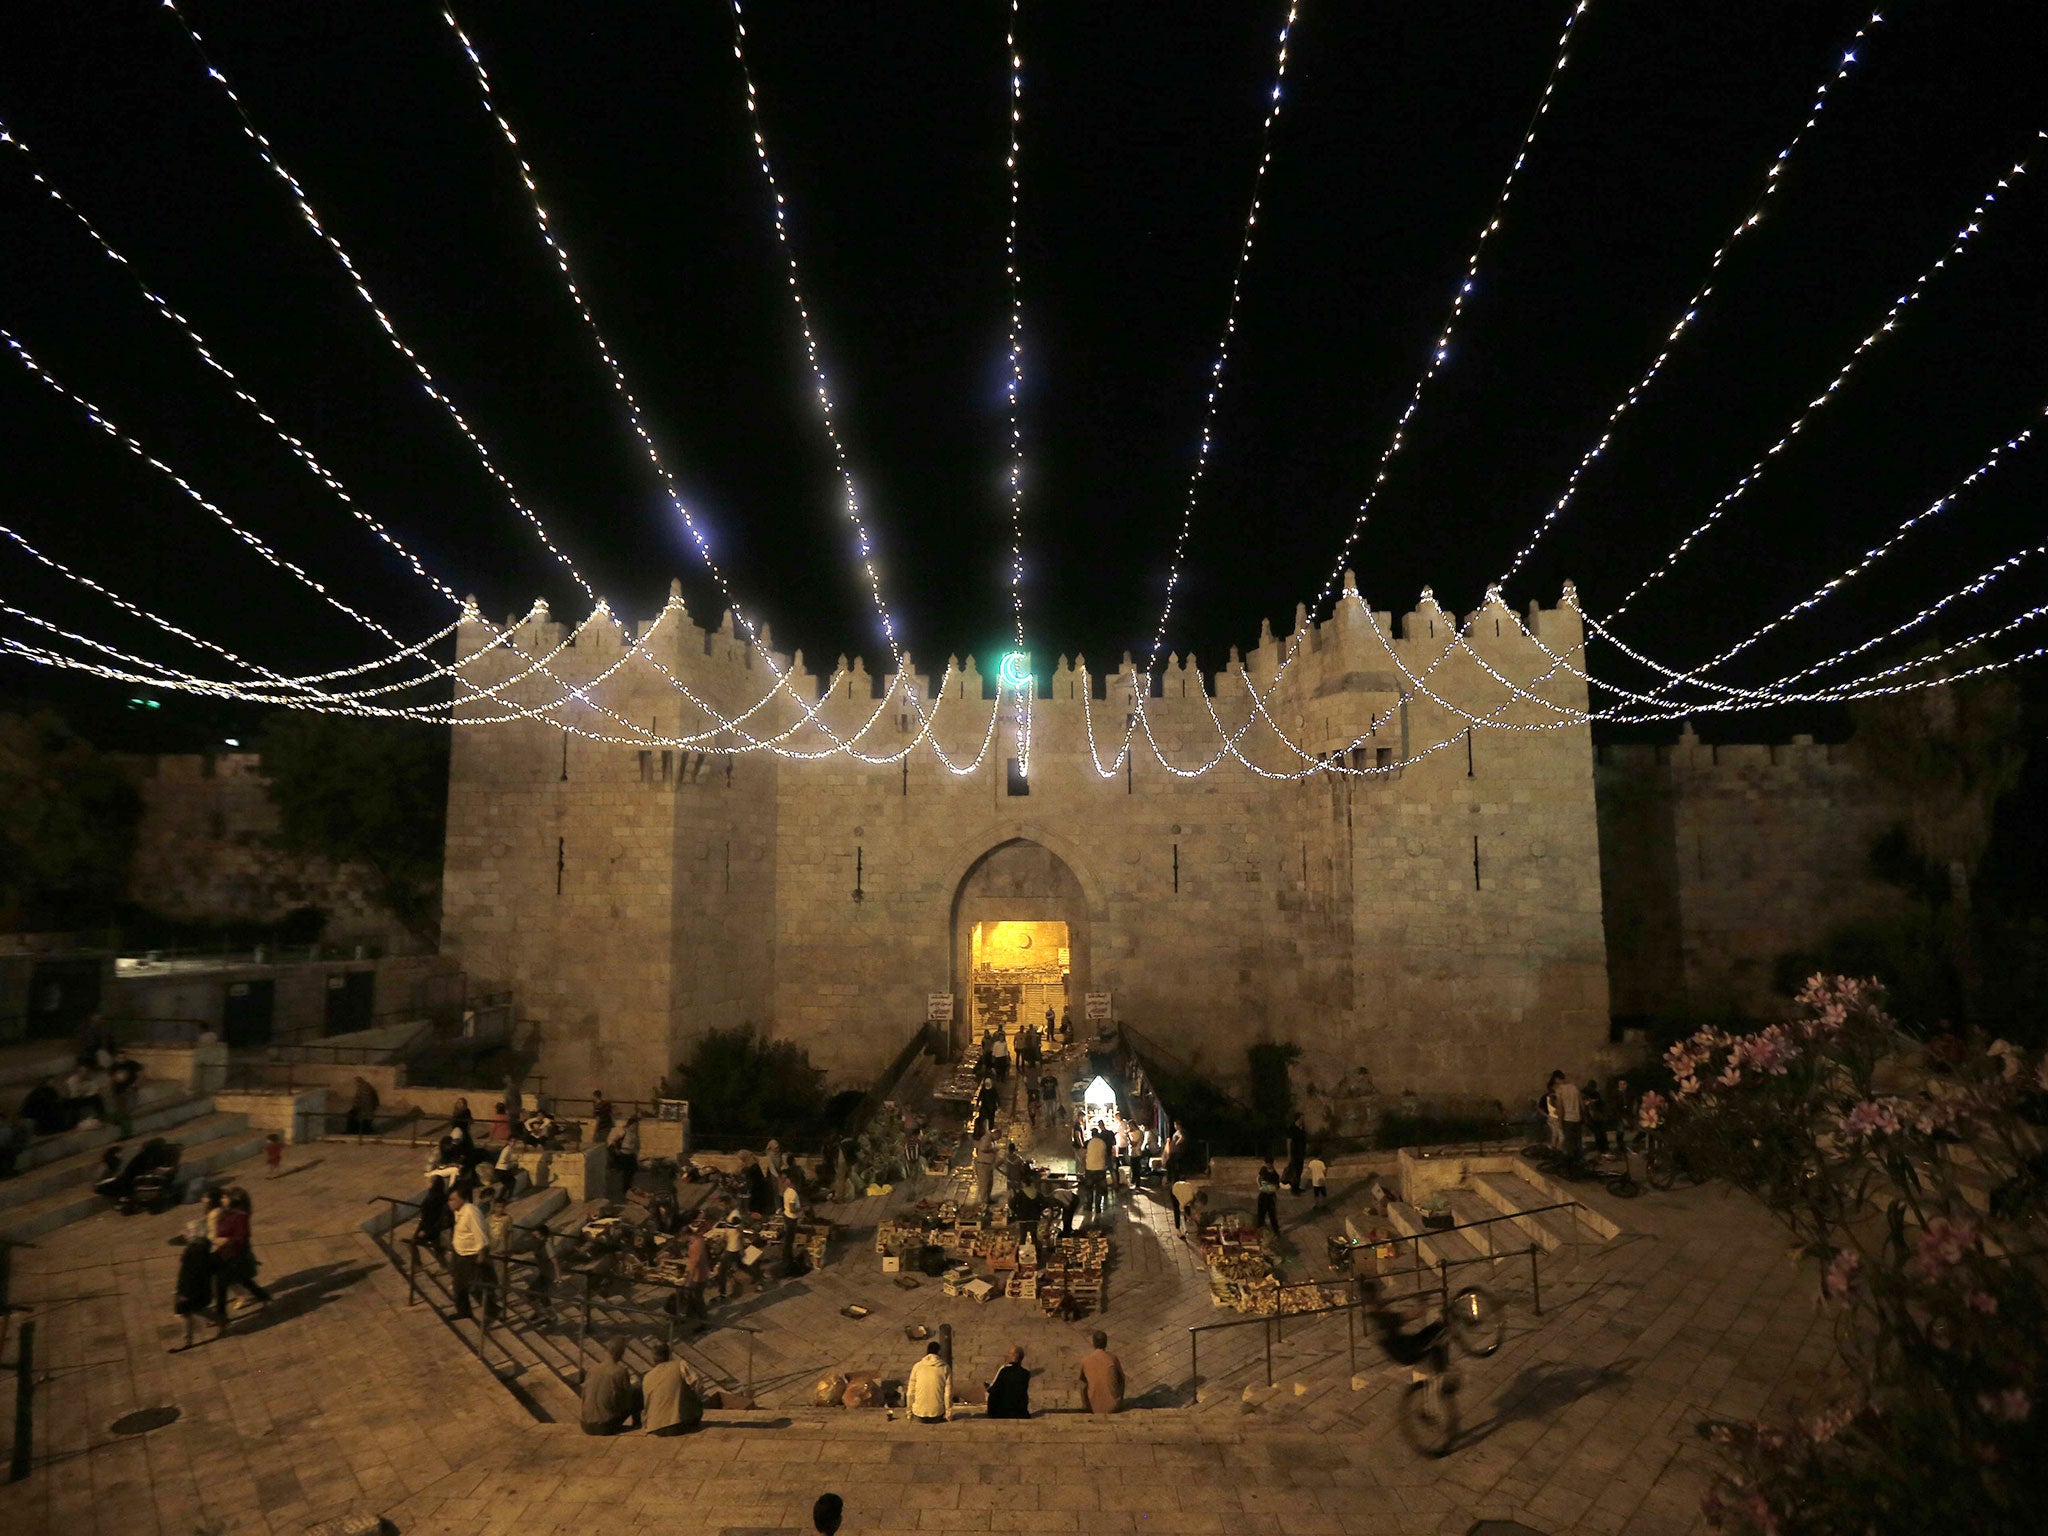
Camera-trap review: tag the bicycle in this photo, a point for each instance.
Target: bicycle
(1428, 1410)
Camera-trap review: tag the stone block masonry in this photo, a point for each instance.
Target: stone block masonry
(1439, 925)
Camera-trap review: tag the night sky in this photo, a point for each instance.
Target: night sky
(887, 124)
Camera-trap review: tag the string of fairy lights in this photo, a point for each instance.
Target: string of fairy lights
(523, 672)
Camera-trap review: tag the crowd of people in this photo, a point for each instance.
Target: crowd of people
(98, 1090)
(928, 1395)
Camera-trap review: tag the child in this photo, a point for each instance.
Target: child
(273, 1154)
(1316, 1172)
(195, 1287)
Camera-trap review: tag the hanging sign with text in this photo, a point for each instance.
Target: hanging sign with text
(938, 1007)
(1098, 1005)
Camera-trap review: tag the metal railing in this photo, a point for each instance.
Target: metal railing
(497, 1309)
(1275, 1323)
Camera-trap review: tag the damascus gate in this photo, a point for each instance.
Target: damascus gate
(1382, 886)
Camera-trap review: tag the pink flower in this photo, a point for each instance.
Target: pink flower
(1870, 1117)
(1942, 1246)
(1650, 1111)
(1983, 1301)
(1830, 1424)
(2012, 1405)
(1688, 1086)
(1730, 1076)
(2008, 1056)
(1841, 1273)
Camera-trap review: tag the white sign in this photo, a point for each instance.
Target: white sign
(938, 1007)
(1098, 1005)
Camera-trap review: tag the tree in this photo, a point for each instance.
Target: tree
(1924, 1215)
(372, 793)
(68, 815)
(742, 1084)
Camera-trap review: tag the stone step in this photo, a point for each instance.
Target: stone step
(209, 1144)
(157, 1104)
(23, 1066)
(1598, 1210)
(1512, 1195)
(83, 1168)
(1431, 1245)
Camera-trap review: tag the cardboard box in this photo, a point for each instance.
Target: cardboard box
(892, 1264)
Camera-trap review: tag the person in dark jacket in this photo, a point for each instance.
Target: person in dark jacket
(194, 1293)
(1009, 1394)
(435, 1219)
(1297, 1153)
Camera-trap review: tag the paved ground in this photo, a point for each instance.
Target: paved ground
(340, 1399)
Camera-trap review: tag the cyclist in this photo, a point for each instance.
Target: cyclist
(1403, 1345)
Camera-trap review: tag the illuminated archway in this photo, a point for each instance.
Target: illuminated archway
(1015, 902)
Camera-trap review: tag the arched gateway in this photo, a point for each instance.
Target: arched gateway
(1020, 938)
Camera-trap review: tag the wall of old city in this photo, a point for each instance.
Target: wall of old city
(1439, 925)
(205, 852)
(1717, 860)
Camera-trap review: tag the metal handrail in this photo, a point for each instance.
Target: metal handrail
(503, 1260)
(1275, 1323)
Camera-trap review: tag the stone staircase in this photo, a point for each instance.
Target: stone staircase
(53, 1186)
(541, 1361)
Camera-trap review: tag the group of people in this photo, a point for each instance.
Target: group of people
(1572, 1114)
(219, 1255)
(928, 1391)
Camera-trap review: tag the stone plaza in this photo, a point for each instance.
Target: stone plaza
(348, 1398)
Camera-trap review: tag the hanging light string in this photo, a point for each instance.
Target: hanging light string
(1214, 393)
(1772, 181)
(1886, 326)
(863, 541)
(297, 448)
(428, 382)
(1835, 583)
(635, 418)
(1956, 249)
(1689, 314)
(1012, 265)
(100, 419)
(1440, 351)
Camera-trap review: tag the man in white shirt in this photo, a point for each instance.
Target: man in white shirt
(1570, 1110)
(469, 1266)
(1317, 1173)
(1095, 1156)
(928, 1394)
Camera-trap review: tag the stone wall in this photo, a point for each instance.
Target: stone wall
(1715, 861)
(204, 852)
(1439, 926)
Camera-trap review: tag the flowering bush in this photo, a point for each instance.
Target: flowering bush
(1920, 1195)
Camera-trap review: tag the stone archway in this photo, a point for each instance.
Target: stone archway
(1018, 880)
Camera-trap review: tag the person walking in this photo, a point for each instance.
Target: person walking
(1009, 1391)
(669, 1400)
(234, 1256)
(1095, 1172)
(611, 1403)
(928, 1394)
(1102, 1378)
(626, 1156)
(273, 1155)
(471, 1241)
(984, 1169)
(1553, 1119)
(1269, 1196)
(1593, 1111)
(696, 1275)
(194, 1292)
(1317, 1172)
(362, 1109)
(1297, 1152)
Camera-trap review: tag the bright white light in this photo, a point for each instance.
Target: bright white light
(1099, 1095)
